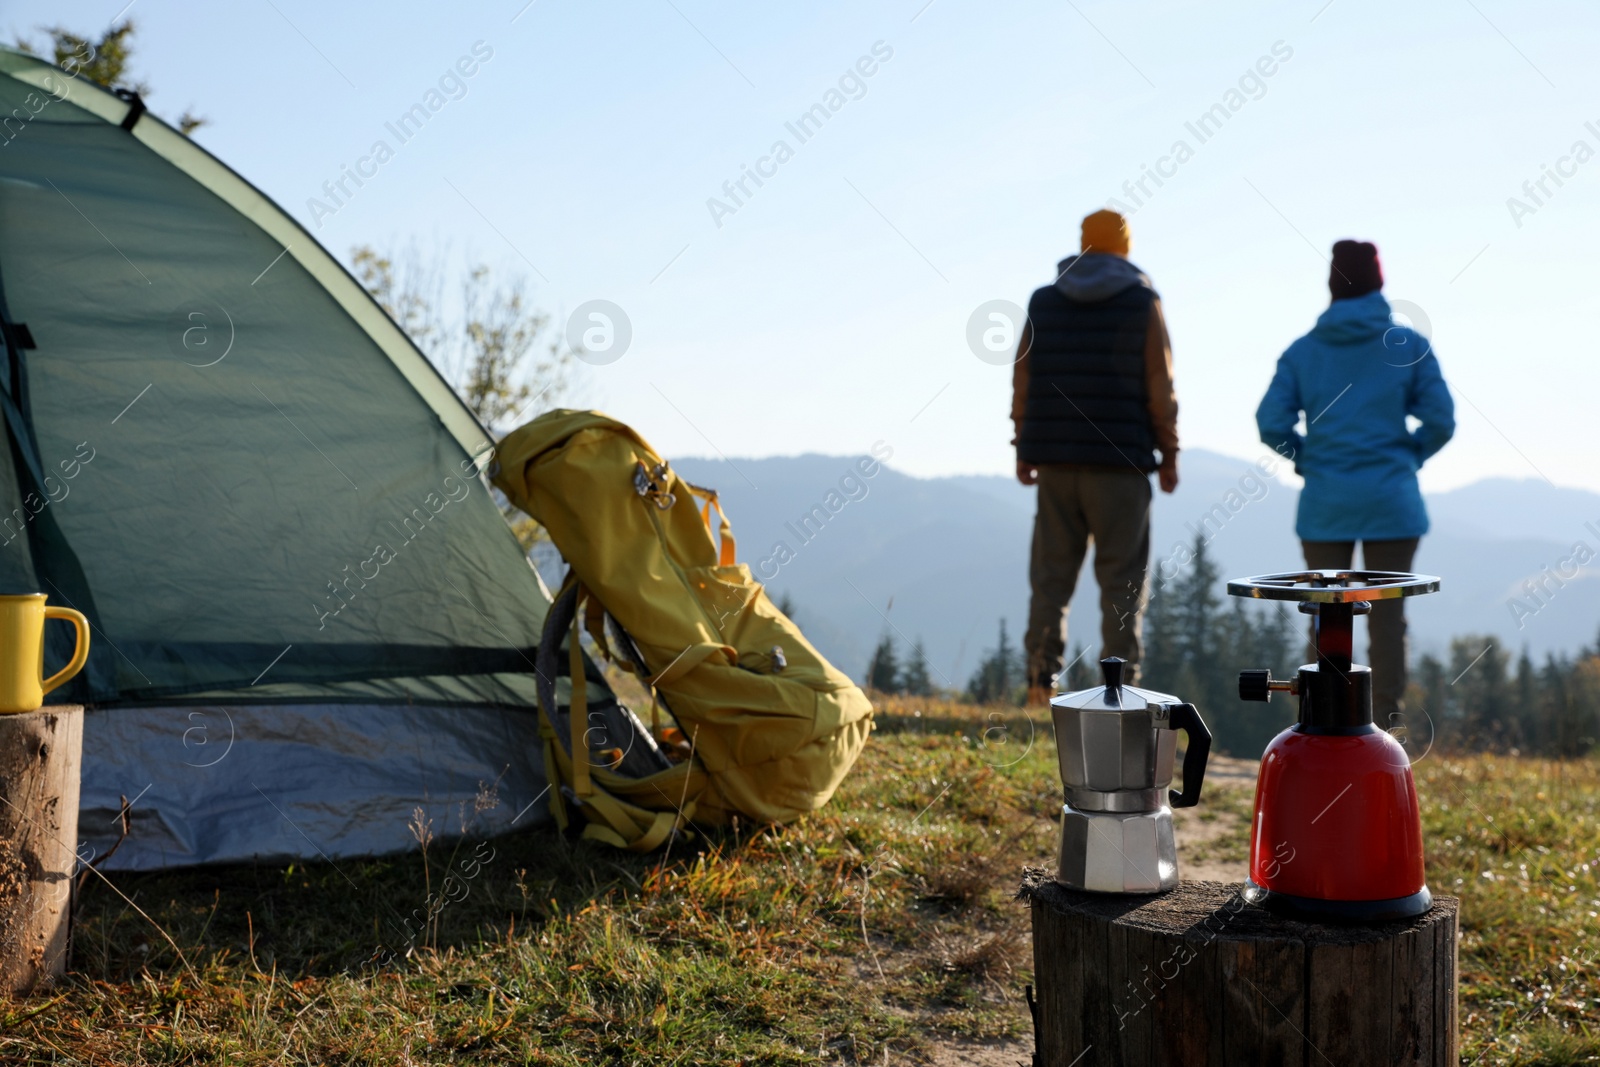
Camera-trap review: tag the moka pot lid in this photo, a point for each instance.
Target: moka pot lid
(1113, 695)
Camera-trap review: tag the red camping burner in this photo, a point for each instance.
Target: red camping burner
(1337, 834)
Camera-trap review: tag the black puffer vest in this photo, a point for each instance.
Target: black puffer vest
(1088, 403)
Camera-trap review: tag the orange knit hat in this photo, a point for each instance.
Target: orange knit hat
(1106, 231)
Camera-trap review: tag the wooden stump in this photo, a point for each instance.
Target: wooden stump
(40, 756)
(1199, 977)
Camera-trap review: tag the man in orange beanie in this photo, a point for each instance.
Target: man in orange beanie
(1093, 405)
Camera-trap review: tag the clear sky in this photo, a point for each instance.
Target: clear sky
(829, 308)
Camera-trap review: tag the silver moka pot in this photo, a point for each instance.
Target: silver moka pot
(1116, 745)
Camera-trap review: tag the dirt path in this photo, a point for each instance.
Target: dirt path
(1213, 837)
(1231, 771)
(983, 1054)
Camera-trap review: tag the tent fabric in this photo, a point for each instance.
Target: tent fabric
(259, 478)
(91, 103)
(218, 783)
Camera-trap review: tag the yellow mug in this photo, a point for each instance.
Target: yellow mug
(22, 681)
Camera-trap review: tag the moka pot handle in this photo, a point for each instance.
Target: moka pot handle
(1197, 749)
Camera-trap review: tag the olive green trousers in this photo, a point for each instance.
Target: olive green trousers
(1080, 506)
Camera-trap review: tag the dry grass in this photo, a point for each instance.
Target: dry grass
(853, 936)
(996, 956)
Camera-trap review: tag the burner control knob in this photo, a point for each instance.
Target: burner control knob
(1260, 685)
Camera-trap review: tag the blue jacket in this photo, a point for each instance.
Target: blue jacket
(1357, 376)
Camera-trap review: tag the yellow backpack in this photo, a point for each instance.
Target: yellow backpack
(765, 727)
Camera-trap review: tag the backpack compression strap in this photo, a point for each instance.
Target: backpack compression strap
(611, 820)
(725, 557)
(687, 660)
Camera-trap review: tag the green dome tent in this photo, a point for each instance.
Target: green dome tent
(308, 615)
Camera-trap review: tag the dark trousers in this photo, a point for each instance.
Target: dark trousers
(1386, 626)
(1077, 506)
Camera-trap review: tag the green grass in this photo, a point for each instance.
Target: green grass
(1518, 840)
(884, 922)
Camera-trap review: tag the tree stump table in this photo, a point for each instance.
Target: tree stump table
(1199, 977)
(41, 755)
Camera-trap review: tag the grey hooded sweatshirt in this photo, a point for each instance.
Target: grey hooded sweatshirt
(1099, 276)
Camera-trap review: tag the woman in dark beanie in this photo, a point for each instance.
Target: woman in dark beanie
(1356, 377)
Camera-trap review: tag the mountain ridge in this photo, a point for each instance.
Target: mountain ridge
(943, 559)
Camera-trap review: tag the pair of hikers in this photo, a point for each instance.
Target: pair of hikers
(1095, 413)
